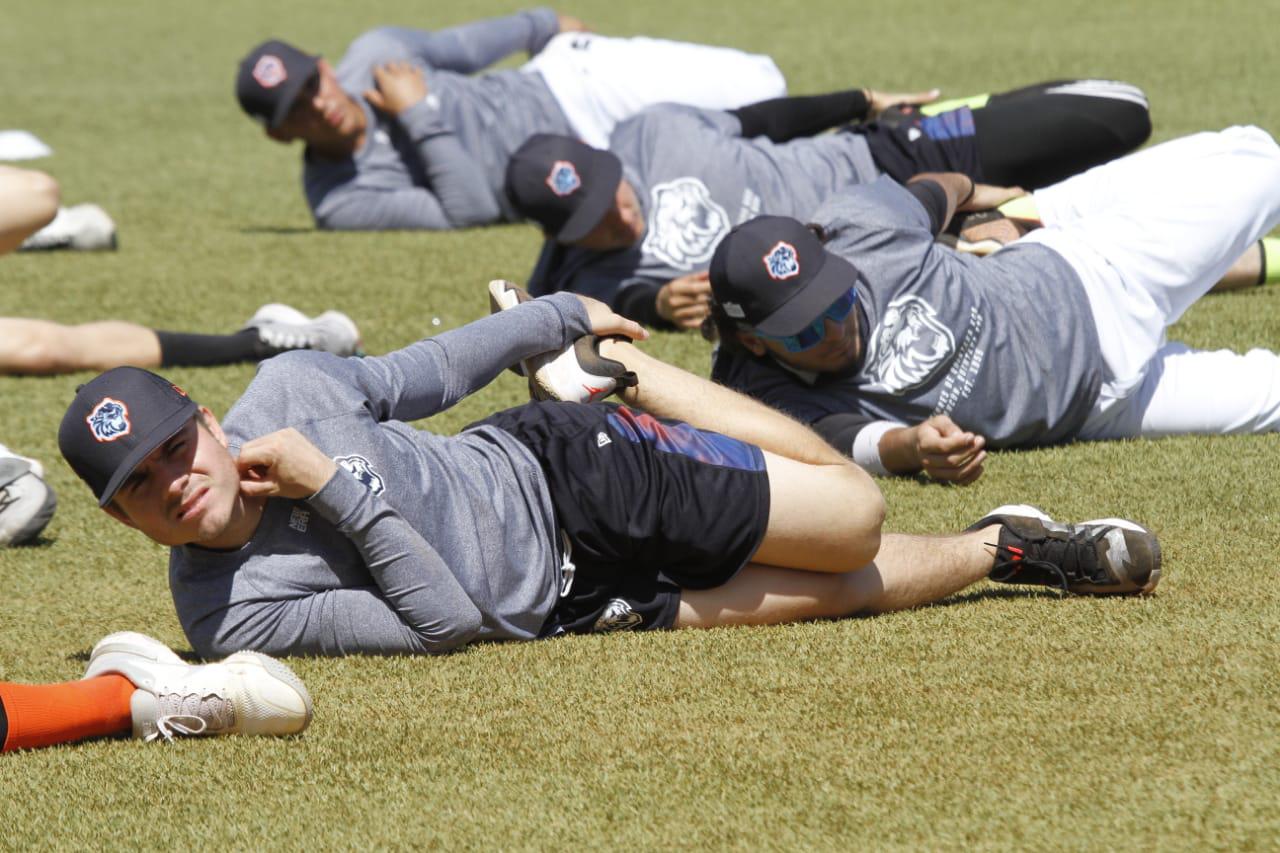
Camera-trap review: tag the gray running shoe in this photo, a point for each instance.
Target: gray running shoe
(248, 693)
(1107, 556)
(577, 374)
(27, 503)
(82, 228)
(283, 327)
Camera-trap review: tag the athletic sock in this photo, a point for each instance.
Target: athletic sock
(45, 714)
(180, 349)
(1270, 272)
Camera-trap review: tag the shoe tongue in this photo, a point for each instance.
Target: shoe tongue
(144, 707)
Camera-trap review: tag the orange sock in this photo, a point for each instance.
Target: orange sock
(45, 714)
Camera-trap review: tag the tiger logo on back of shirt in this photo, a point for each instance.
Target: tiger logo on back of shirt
(685, 224)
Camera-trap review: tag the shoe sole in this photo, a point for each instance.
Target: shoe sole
(282, 673)
(10, 473)
(1124, 523)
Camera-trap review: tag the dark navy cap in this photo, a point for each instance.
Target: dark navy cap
(564, 185)
(773, 274)
(115, 421)
(270, 78)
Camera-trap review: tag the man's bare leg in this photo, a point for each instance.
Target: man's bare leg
(42, 347)
(825, 513)
(28, 202)
(1245, 272)
(907, 572)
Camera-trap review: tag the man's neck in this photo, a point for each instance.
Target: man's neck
(245, 519)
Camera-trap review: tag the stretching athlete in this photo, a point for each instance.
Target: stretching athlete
(398, 136)
(906, 355)
(636, 225)
(315, 521)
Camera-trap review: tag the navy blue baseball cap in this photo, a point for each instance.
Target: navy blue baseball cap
(115, 421)
(270, 78)
(773, 274)
(564, 185)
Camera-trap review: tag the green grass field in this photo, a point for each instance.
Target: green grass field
(999, 719)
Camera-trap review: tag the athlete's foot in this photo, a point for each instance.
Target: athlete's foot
(82, 227)
(27, 502)
(1107, 556)
(283, 327)
(578, 373)
(248, 693)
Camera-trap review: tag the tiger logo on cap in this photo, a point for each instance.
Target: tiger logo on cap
(563, 178)
(782, 262)
(109, 420)
(269, 71)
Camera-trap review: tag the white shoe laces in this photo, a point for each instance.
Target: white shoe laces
(192, 715)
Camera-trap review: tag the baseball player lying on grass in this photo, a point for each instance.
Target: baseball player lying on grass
(635, 226)
(1058, 336)
(134, 683)
(314, 520)
(398, 136)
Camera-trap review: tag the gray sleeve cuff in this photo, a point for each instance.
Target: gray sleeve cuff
(339, 499)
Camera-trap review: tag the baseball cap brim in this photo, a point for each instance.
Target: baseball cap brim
(606, 174)
(159, 434)
(834, 277)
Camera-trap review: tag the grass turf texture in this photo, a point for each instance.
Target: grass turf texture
(1001, 718)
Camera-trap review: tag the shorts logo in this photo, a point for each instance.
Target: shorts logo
(563, 178)
(782, 262)
(362, 470)
(909, 346)
(602, 439)
(685, 224)
(617, 616)
(269, 71)
(109, 420)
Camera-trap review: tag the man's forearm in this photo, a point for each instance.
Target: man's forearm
(476, 45)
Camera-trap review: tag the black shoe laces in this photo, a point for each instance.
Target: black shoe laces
(1059, 559)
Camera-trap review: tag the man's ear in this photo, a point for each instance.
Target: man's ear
(118, 514)
(210, 423)
(751, 343)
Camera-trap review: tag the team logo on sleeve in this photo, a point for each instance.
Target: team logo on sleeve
(109, 420)
(563, 178)
(908, 346)
(782, 262)
(269, 71)
(685, 224)
(362, 470)
(617, 616)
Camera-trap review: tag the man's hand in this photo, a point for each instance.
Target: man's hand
(949, 453)
(570, 24)
(283, 464)
(605, 321)
(987, 196)
(400, 85)
(881, 101)
(686, 301)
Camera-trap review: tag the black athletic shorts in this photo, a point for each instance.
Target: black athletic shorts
(914, 143)
(649, 506)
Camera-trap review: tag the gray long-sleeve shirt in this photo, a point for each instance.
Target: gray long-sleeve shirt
(696, 177)
(440, 164)
(419, 542)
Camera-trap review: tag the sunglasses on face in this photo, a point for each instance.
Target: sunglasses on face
(811, 335)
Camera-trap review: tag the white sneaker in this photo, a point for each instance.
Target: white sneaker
(248, 693)
(83, 227)
(27, 503)
(284, 327)
(577, 374)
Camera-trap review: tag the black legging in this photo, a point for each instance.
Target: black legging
(1031, 137)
